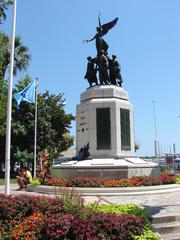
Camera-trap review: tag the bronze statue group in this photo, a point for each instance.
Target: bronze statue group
(108, 68)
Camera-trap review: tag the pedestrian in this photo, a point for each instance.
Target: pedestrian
(24, 178)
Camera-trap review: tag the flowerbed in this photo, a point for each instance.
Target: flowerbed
(25, 217)
(97, 182)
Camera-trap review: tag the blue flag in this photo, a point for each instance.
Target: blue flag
(27, 94)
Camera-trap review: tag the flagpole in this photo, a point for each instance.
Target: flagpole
(35, 129)
(9, 105)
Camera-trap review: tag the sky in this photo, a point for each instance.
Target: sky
(146, 41)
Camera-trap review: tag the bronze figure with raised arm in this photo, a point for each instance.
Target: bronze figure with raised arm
(101, 44)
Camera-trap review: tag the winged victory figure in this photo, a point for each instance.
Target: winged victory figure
(101, 44)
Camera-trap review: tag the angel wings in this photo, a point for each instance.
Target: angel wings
(107, 26)
(101, 44)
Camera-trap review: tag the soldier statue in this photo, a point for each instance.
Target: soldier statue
(115, 71)
(103, 66)
(91, 72)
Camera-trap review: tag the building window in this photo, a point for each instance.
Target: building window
(125, 130)
(103, 128)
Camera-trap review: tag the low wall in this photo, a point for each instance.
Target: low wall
(104, 172)
(113, 191)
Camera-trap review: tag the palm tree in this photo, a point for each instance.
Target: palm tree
(21, 55)
(3, 7)
(4, 53)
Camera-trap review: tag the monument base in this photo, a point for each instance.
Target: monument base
(108, 168)
(105, 121)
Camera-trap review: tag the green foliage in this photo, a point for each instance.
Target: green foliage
(22, 129)
(53, 123)
(65, 218)
(22, 156)
(147, 234)
(121, 209)
(21, 55)
(72, 202)
(52, 126)
(35, 182)
(21, 62)
(3, 106)
(3, 110)
(4, 54)
(178, 180)
(3, 7)
(67, 141)
(164, 169)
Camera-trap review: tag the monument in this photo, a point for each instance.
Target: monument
(105, 141)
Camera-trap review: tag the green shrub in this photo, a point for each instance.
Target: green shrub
(178, 180)
(72, 202)
(147, 234)
(130, 209)
(120, 209)
(66, 217)
(35, 182)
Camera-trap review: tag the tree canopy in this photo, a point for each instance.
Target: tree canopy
(52, 124)
(21, 55)
(3, 7)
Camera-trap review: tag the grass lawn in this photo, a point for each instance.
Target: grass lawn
(12, 180)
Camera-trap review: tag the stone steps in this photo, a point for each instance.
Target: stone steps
(164, 218)
(171, 236)
(168, 226)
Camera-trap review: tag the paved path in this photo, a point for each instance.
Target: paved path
(164, 203)
(14, 187)
(157, 204)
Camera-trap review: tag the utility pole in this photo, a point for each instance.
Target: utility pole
(156, 142)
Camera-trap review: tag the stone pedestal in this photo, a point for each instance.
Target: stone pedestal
(104, 119)
(108, 168)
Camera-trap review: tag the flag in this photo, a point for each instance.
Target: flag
(27, 94)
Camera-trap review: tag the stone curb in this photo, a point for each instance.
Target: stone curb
(113, 191)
